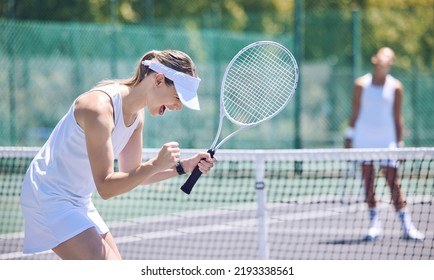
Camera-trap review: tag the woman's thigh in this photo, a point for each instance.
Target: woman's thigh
(88, 245)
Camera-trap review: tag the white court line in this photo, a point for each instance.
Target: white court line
(235, 225)
(238, 225)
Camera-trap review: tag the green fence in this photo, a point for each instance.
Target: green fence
(45, 66)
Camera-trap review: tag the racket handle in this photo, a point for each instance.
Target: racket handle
(191, 181)
(194, 176)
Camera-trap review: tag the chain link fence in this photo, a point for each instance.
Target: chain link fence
(46, 65)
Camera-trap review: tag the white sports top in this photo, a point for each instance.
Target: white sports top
(375, 125)
(58, 186)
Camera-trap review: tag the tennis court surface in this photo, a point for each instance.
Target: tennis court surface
(276, 204)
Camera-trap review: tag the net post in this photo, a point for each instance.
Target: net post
(261, 200)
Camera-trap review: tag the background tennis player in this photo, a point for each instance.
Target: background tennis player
(376, 122)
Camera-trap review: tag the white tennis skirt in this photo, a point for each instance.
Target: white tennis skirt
(43, 233)
(50, 222)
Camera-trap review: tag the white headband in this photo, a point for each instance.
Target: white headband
(185, 85)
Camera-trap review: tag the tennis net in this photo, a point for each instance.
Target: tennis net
(255, 204)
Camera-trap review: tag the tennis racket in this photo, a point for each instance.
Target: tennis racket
(257, 84)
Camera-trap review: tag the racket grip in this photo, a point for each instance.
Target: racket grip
(191, 181)
(194, 176)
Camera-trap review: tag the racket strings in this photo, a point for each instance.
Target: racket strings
(259, 84)
(256, 91)
(241, 104)
(252, 112)
(261, 91)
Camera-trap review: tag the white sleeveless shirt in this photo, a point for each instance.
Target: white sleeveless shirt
(375, 125)
(58, 186)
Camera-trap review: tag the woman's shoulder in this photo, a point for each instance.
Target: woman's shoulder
(397, 85)
(91, 104)
(363, 80)
(109, 87)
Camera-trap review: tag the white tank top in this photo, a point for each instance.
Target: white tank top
(61, 168)
(375, 125)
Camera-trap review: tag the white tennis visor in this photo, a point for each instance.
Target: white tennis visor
(185, 85)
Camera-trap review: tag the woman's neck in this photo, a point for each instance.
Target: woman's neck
(379, 79)
(132, 100)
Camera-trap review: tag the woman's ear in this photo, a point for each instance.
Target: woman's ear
(159, 79)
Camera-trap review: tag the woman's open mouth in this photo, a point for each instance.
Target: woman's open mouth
(162, 109)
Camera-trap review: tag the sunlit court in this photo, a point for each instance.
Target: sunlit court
(207, 130)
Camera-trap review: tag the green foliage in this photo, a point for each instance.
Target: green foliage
(407, 26)
(103, 39)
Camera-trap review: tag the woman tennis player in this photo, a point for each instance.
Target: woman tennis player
(376, 122)
(103, 124)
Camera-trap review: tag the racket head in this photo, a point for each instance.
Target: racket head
(258, 83)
